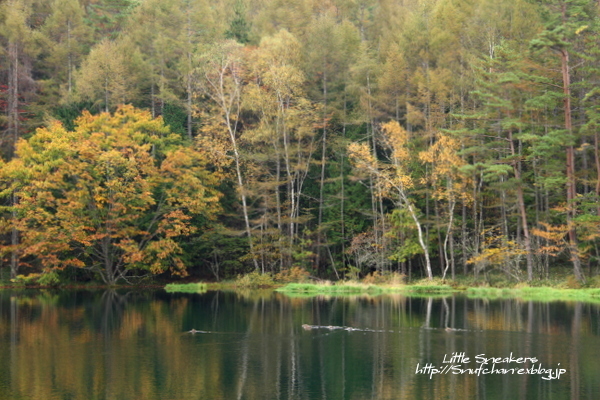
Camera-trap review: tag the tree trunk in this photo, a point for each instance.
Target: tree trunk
(13, 95)
(106, 95)
(323, 160)
(441, 243)
(152, 97)
(571, 189)
(229, 104)
(342, 188)
(13, 133)
(189, 106)
(278, 202)
(451, 204)
(413, 214)
(522, 210)
(597, 161)
(189, 73)
(108, 274)
(242, 190)
(69, 59)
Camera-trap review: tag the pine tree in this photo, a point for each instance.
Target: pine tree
(566, 22)
(103, 77)
(239, 28)
(66, 38)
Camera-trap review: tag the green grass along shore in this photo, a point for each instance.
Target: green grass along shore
(420, 288)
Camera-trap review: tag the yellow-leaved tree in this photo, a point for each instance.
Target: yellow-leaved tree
(115, 195)
(393, 176)
(448, 182)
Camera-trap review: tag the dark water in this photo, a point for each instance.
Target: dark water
(133, 345)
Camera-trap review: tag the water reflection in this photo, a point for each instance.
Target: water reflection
(255, 345)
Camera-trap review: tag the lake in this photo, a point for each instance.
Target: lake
(265, 345)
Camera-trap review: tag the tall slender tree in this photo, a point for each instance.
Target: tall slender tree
(566, 22)
(66, 37)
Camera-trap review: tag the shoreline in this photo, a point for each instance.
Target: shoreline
(419, 289)
(437, 288)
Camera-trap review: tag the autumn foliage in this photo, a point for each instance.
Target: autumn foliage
(429, 138)
(115, 195)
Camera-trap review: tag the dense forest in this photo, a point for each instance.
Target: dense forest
(342, 137)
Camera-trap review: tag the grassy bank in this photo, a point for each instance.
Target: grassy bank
(331, 289)
(556, 288)
(297, 283)
(199, 287)
(526, 293)
(541, 294)
(358, 288)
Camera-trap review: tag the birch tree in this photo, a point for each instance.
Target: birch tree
(221, 80)
(394, 176)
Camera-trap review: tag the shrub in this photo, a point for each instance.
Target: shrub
(594, 282)
(30, 279)
(387, 278)
(255, 280)
(372, 278)
(49, 279)
(295, 274)
(572, 282)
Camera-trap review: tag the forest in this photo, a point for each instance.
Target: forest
(341, 138)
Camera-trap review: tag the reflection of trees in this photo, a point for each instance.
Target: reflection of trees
(13, 333)
(110, 308)
(574, 351)
(130, 345)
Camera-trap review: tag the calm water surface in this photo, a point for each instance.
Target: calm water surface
(134, 345)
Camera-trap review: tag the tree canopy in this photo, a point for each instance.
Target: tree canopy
(115, 195)
(423, 137)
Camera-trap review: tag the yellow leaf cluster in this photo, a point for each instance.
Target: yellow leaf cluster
(555, 238)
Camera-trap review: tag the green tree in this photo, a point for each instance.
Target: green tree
(238, 27)
(66, 37)
(567, 22)
(107, 17)
(19, 40)
(331, 45)
(155, 32)
(103, 77)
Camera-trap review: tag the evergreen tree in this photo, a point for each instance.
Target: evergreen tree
(239, 28)
(567, 21)
(66, 39)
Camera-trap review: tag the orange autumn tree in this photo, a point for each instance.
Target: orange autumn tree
(115, 195)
